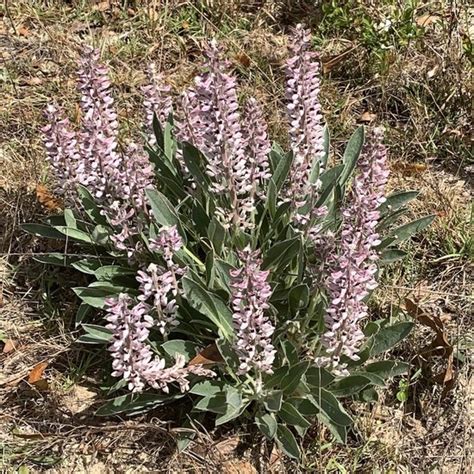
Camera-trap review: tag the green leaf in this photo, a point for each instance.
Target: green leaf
(369, 395)
(326, 143)
(271, 198)
(329, 180)
(75, 234)
(318, 377)
(389, 336)
(389, 219)
(375, 379)
(135, 403)
(290, 415)
(267, 424)
(291, 381)
(339, 432)
(290, 353)
(273, 400)
(351, 154)
(163, 211)
(95, 296)
(216, 403)
(59, 259)
(207, 388)
(282, 169)
(282, 253)
(216, 234)
(108, 272)
(223, 270)
(287, 442)
(210, 269)
(330, 407)
(196, 163)
(70, 219)
(304, 406)
(82, 312)
(169, 142)
(396, 200)
(188, 349)
(392, 255)
(89, 205)
(235, 407)
(87, 265)
(95, 334)
(101, 234)
(158, 131)
(42, 230)
(388, 368)
(405, 231)
(200, 218)
(209, 305)
(349, 386)
(298, 298)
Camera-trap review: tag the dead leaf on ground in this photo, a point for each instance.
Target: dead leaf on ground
(79, 399)
(210, 355)
(31, 81)
(440, 346)
(331, 62)
(276, 459)
(23, 31)
(426, 20)
(243, 59)
(367, 116)
(102, 7)
(409, 168)
(10, 346)
(226, 447)
(238, 467)
(46, 198)
(35, 377)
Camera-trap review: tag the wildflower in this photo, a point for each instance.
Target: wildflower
(162, 287)
(62, 152)
(254, 129)
(353, 271)
(250, 299)
(304, 115)
(99, 126)
(133, 359)
(168, 242)
(117, 180)
(212, 124)
(157, 101)
(130, 328)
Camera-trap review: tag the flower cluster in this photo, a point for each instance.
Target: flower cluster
(258, 148)
(304, 115)
(353, 271)
(161, 284)
(235, 151)
(90, 157)
(157, 101)
(133, 359)
(62, 151)
(167, 243)
(250, 299)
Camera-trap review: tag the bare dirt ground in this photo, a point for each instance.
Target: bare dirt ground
(412, 76)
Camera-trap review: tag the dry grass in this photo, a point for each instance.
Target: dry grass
(420, 92)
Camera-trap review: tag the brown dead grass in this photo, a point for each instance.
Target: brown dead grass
(420, 101)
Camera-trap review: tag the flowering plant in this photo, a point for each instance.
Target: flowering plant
(229, 273)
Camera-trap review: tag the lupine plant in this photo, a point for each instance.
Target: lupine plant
(225, 272)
